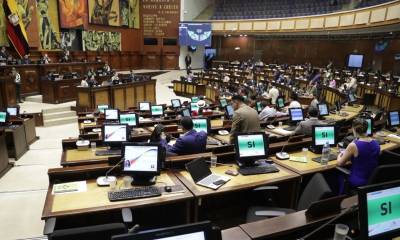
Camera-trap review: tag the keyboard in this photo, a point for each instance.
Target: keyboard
(258, 170)
(108, 152)
(210, 179)
(332, 157)
(134, 193)
(290, 128)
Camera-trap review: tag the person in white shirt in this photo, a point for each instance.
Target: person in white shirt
(273, 94)
(352, 84)
(226, 78)
(269, 112)
(17, 81)
(294, 103)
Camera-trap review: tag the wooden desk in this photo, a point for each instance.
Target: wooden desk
(3, 153)
(59, 91)
(235, 233)
(16, 141)
(30, 128)
(95, 199)
(7, 91)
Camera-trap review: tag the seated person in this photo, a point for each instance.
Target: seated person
(294, 103)
(3, 54)
(91, 73)
(26, 59)
(92, 81)
(191, 142)
(305, 127)
(65, 57)
(269, 112)
(245, 119)
(45, 59)
(131, 76)
(115, 78)
(363, 154)
(106, 68)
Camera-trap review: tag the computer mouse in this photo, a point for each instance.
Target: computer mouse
(168, 189)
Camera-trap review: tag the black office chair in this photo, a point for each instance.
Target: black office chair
(316, 190)
(389, 157)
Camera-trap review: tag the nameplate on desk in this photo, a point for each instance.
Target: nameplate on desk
(69, 187)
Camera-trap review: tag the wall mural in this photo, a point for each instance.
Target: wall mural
(49, 32)
(101, 41)
(104, 12)
(71, 39)
(3, 31)
(73, 13)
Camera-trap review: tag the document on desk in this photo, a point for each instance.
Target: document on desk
(298, 159)
(281, 131)
(69, 187)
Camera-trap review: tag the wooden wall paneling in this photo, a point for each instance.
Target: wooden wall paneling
(130, 96)
(151, 60)
(101, 96)
(83, 98)
(29, 79)
(115, 60)
(7, 90)
(125, 62)
(140, 96)
(136, 60)
(118, 95)
(91, 56)
(79, 56)
(105, 57)
(47, 91)
(151, 92)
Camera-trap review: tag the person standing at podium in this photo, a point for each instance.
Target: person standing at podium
(17, 81)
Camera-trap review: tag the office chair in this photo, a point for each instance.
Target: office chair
(316, 190)
(389, 157)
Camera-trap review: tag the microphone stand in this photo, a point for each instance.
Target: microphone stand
(283, 155)
(106, 180)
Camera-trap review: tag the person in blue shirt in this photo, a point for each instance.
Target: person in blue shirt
(191, 142)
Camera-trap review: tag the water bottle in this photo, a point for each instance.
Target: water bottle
(325, 154)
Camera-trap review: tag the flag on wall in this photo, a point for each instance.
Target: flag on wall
(15, 28)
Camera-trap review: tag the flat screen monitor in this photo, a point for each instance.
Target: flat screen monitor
(194, 231)
(141, 158)
(379, 212)
(370, 128)
(194, 99)
(355, 61)
(102, 107)
(259, 106)
(3, 117)
(186, 112)
(280, 102)
(144, 106)
(115, 133)
(176, 103)
(201, 124)
(157, 110)
(250, 147)
(229, 111)
(194, 107)
(223, 102)
(393, 119)
(111, 114)
(296, 114)
(323, 109)
(195, 34)
(323, 134)
(13, 111)
(131, 119)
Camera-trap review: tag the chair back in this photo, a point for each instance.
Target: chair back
(98, 232)
(385, 173)
(316, 190)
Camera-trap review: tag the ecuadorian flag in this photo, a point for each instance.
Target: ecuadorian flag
(15, 28)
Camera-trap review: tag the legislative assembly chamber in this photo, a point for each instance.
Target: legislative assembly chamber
(200, 119)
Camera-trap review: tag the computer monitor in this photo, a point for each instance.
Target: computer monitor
(111, 114)
(194, 99)
(157, 110)
(3, 117)
(223, 102)
(201, 124)
(176, 103)
(141, 160)
(393, 119)
(229, 111)
(259, 106)
(194, 107)
(322, 134)
(379, 212)
(186, 112)
(323, 109)
(102, 107)
(250, 147)
(115, 134)
(296, 114)
(13, 111)
(131, 119)
(280, 102)
(144, 106)
(370, 129)
(194, 231)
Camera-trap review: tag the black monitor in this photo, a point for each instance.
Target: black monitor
(157, 110)
(322, 134)
(280, 102)
(176, 103)
(3, 118)
(229, 111)
(379, 214)
(186, 112)
(250, 147)
(111, 114)
(194, 231)
(296, 114)
(142, 161)
(144, 106)
(393, 119)
(259, 106)
(201, 124)
(223, 102)
(194, 99)
(13, 111)
(131, 119)
(102, 107)
(115, 134)
(323, 109)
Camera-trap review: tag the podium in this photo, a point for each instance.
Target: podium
(7, 90)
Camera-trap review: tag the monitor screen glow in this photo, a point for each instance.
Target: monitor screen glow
(369, 129)
(194, 107)
(251, 145)
(141, 159)
(394, 118)
(195, 99)
(259, 106)
(230, 110)
(176, 103)
(157, 110)
(355, 60)
(12, 111)
(200, 125)
(115, 133)
(323, 109)
(186, 112)
(101, 108)
(223, 102)
(3, 116)
(129, 118)
(280, 102)
(324, 134)
(144, 106)
(111, 114)
(296, 114)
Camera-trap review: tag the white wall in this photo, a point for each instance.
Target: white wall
(189, 10)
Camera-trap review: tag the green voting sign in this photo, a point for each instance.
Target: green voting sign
(3, 116)
(251, 145)
(383, 209)
(200, 125)
(129, 119)
(323, 135)
(157, 110)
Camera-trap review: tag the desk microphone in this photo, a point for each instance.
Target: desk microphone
(106, 180)
(283, 155)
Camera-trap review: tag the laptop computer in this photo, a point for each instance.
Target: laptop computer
(203, 176)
